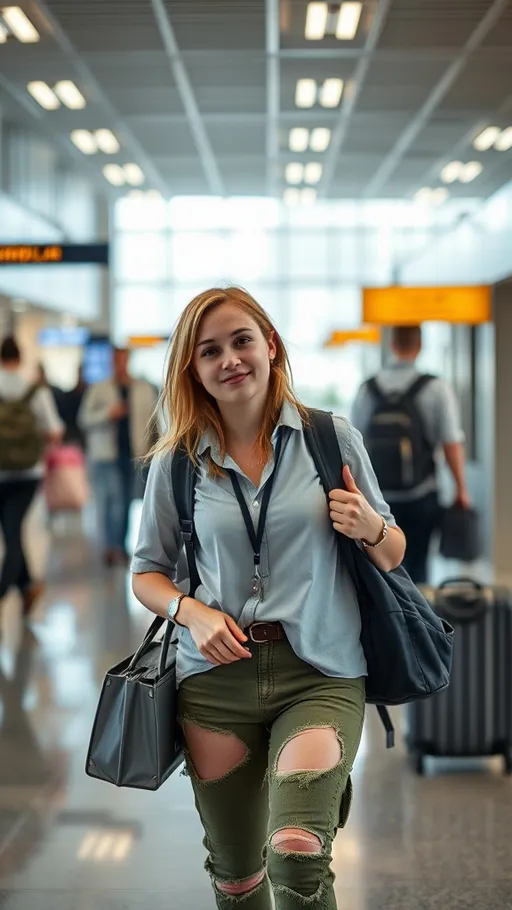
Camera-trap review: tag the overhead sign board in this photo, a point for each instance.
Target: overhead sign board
(54, 254)
(411, 306)
(146, 341)
(367, 334)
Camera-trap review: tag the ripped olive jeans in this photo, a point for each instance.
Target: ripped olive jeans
(265, 702)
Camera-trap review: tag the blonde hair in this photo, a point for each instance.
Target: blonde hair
(191, 410)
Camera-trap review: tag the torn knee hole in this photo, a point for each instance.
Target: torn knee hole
(295, 840)
(314, 749)
(213, 753)
(243, 887)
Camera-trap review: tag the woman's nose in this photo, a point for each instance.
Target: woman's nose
(230, 361)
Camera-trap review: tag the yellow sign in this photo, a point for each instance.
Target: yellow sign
(22, 254)
(145, 341)
(411, 306)
(367, 334)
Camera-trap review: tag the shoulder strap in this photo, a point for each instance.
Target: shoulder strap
(375, 391)
(416, 387)
(183, 476)
(29, 394)
(322, 442)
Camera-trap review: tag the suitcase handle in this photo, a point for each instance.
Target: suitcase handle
(461, 580)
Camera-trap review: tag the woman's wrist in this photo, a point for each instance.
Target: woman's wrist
(185, 611)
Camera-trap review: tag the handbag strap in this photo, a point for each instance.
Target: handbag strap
(322, 442)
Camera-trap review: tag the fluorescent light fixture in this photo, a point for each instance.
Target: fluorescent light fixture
(299, 139)
(504, 141)
(133, 174)
(107, 142)
(313, 172)
(316, 21)
(486, 138)
(85, 141)
(115, 174)
(305, 92)
(70, 95)
(469, 171)
(348, 21)
(291, 196)
(308, 196)
(320, 139)
(294, 172)
(451, 171)
(439, 195)
(43, 94)
(330, 93)
(20, 25)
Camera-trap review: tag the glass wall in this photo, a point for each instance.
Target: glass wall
(305, 265)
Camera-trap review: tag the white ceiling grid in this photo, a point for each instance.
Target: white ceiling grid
(201, 93)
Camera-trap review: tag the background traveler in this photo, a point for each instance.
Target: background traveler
(116, 415)
(28, 422)
(406, 418)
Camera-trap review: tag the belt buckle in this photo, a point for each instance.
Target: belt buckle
(257, 641)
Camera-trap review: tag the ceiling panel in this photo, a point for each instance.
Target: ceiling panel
(118, 59)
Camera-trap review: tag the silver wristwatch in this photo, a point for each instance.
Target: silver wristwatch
(174, 606)
(381, 538)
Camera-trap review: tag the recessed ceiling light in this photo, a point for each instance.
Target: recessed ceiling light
(305, 92)
(313, 172)
(320, 139)
(134, 175)
(298, 140)
(348, 21)
(469, 171)
(422, 196)
(115, 174)
(20, 25)
(291, 196)
(330, 92)
(43, 94)
(294, 172)
(85, 141)
(308, 196)
(439, 195)
(451, 171)
(316, 21)
(107, 142)
(70, 95)
(504, 141)
(486, 138)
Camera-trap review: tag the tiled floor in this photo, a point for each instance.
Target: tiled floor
(66, 841)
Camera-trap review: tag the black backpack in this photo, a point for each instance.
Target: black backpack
(401, 455)
(408, 648)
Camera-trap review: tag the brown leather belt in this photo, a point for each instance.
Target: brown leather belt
(262, 632)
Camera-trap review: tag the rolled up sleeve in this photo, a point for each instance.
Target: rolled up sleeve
(354, 455)
(159, 542)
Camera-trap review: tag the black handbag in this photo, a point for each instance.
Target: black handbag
(408, 648)
(460, 534)
(135, 739)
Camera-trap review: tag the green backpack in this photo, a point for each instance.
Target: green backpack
(21, 441)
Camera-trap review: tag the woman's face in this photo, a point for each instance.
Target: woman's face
(232, 357)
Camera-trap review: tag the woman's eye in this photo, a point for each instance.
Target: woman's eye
(244, 339)
(208, 352)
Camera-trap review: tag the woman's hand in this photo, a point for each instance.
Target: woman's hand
(351, 513)
(217, 636)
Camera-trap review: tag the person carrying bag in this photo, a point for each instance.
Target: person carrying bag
(280, 627)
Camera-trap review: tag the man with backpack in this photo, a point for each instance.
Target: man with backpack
(28, 422)
(406, 417)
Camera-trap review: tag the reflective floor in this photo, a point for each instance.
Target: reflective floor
(66, 841)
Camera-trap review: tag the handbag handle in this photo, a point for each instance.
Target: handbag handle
(462, 580)
(155, 626)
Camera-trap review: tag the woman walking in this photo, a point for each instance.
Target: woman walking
(271, 671)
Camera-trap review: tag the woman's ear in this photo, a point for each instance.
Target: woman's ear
(272, 347)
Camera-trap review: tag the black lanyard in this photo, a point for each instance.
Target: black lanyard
(256, 537)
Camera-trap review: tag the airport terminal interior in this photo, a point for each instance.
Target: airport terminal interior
(350, 165)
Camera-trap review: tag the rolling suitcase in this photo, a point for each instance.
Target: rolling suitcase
(473, 716)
